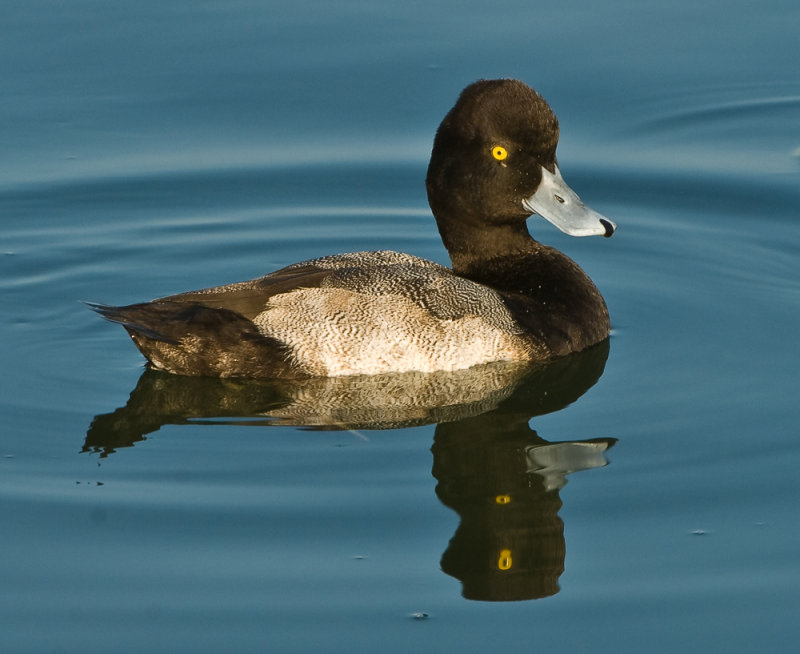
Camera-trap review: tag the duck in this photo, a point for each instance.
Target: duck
(506, 296)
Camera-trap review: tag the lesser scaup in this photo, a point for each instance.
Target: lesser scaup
(507, 296)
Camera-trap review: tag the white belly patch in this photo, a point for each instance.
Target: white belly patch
(335, 331)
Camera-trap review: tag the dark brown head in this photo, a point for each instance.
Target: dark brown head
(494, 164)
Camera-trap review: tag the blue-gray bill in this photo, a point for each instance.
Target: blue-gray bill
(559, 204)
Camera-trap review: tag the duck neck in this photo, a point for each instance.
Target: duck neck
(471, 247)
(547, 292)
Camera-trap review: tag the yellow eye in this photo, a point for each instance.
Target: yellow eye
(504, 561)
(499, 152)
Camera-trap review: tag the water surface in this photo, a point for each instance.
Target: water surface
(642, 498)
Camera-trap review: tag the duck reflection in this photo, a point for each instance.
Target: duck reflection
(503, 481)
(492, 469)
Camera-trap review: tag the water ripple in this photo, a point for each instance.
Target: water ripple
(732, 111)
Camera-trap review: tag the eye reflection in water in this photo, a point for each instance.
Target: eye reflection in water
(503, 481)
(492, 469)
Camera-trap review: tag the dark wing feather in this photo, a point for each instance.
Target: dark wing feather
(249, 298)
(192, 339)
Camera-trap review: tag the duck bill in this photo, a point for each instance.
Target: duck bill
(559, 204)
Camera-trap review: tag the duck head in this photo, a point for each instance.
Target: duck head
(493, 165)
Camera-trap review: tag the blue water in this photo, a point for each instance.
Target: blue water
(154, 147)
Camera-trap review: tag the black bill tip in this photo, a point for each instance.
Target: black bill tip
(608, 226)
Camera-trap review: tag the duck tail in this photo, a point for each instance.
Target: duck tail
(188, 338)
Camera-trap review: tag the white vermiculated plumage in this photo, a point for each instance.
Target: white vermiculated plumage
(391, 312)
(336, 331)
